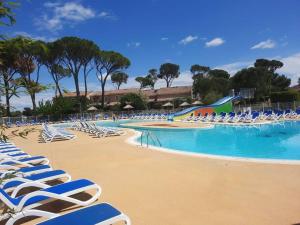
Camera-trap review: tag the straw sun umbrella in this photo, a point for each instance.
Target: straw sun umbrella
(128, 106)
(168, 104)
(184, 104)
(197, 103)
(92, 108)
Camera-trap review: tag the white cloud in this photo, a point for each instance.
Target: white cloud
(106, 15)
(214, 42)
(164, 39)
(51, 4)
(103, 14)
(68, 13)
(232, 68)
(265, 44)
(188, 40)
(34, 37)
(291, 66)
(134, 44)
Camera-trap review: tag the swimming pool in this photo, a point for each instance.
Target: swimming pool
(269, 141)
(272, 141)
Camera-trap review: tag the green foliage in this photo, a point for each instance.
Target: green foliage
(201, 86)
(211, 97)
(208, 81)
(280, 82)
(262, 78)
(58, 107)
(168, 72)
(268, 65)
(8, 72)
(145, 82)
(285, 96)
(31, 86)
(27, 111)
(108, 63)
(198, 70)
(74, 54)
(152, 77)
(119, 78)
(6, 14)
(138, 101)
(149, 80)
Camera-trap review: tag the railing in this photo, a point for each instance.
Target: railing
(102, 115)
(148, 134)
(267, 106)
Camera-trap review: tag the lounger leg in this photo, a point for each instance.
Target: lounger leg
(116, 219)
(27, 213)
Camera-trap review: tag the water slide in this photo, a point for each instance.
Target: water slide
(222, 105)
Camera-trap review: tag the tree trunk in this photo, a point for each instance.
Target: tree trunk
(32, 96)
(7, 98)
(59, 91)
(102, 94)
(168, 83)
(7, 103)
(75, 76)
(85, 85)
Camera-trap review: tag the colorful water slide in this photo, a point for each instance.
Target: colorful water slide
(222, 105)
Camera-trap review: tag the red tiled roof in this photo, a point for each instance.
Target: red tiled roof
(148, 92)
(296, 87)
(73, 94)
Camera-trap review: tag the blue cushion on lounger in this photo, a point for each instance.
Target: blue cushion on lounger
(9, 151)
(31, 158)
(60, 189)
(18, 154)
(34, 168)
(34, 177)
(88, 216)
(6, 149)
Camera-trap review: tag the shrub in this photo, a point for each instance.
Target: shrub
(211, 97)
(285, 96)
(138, 101)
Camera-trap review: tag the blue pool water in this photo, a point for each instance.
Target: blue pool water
(272, 141)
(276, 141)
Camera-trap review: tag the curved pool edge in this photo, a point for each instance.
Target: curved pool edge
(133, 141)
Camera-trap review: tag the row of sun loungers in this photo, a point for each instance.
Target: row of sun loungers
(50, 133)
(149, 116)
(19, 170)
(247, 117)
(97, 131)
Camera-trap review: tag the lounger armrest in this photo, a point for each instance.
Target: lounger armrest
(63, 197)
(35, 184)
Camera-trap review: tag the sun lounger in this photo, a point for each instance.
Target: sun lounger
(30, 161)
(50, 134)
(14, 155)
(25, 204)
(99, 214)
(24, 171)
(17, 183)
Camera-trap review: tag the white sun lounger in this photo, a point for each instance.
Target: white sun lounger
(99, 214)
(26, 204)
(17, 183)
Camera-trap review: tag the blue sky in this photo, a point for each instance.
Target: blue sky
(220, 34)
